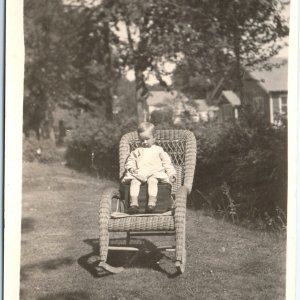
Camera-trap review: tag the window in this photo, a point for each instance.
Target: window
(278, 108)
(283, 108)
(276, 105)
(227, 112)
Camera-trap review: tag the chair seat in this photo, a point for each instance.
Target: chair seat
(164, 199)
(142, 223)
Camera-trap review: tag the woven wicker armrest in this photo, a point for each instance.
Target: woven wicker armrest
(180, 214)
(104, 215)
(180, 198)
(105, 200)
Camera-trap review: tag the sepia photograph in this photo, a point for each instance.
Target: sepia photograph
(154, 149)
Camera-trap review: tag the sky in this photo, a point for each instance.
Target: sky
(284, 51)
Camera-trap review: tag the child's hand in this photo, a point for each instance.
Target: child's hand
(132, 171)
(173, 179)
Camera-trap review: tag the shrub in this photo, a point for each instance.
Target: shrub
(241, 169)
(93, 145)
(162, 118)
(251, 161)
(43, 150)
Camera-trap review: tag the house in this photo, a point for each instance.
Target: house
(174, 100)
(206, 112)
(160, 100)
(181, 106)
(229, 104)
(266, 91)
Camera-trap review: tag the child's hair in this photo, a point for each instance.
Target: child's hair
(145, 126)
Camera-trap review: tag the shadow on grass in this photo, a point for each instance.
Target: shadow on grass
(77, 295)
(27, 225)
(116, 258)
(48, 265)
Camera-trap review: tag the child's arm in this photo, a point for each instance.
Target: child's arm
(130, 164)
(167, 164)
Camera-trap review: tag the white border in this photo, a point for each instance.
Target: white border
(292, 151)
(13, 148)
(14, 64)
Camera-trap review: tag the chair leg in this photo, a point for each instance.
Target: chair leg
(127, 245)
(103, 242)
(103, 233)
(104, 214)
(180, 265)
(104, 245)
(181, 249)
(127, 238)
(111, 269)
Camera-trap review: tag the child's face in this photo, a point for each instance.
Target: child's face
(147, 139)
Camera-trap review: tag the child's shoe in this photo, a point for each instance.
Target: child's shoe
(151, 204)
(150, 209)
(133, 210)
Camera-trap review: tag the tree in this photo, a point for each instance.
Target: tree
(93, 54)
(154, 35)
(69, 62)
(45, 64)
(75, 54)
(231, 36)
(253, 30)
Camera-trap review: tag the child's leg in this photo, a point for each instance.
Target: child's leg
(134, 191)
(152, 191)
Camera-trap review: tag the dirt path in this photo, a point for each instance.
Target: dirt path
(60, 243)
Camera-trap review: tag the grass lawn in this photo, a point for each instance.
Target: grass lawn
(59, 247)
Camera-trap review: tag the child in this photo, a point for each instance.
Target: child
(148, 163)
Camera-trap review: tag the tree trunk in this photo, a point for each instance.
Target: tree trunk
(141, 90)
(47, 127)
(238, 68)
(141, 97)
(108, 71)
(238, 72)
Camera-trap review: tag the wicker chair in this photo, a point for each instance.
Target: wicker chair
(181, 146)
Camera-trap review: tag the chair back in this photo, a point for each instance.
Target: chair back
(179, 144)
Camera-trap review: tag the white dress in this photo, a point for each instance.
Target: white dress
(147, 162)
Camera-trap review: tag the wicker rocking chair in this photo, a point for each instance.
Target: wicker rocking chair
(181, 146)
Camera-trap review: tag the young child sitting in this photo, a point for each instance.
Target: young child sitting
(148, 163)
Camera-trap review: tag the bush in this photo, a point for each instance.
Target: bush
(93, 145)
(43, 150)
(241, 169)
(250, 161)
(162, 118)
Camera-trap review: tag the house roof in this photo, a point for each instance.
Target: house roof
(202, 105)
(163, 98)
(232, 97)
(275, 79)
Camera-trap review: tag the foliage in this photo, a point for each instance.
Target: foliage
(156, 33)
(94, 144)
(241, 170)
(42, 150)
(250, 161)
(126, 97)
(227, 37)
(75, 54)
(163, 117)
(69, 62)
(46, 63)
